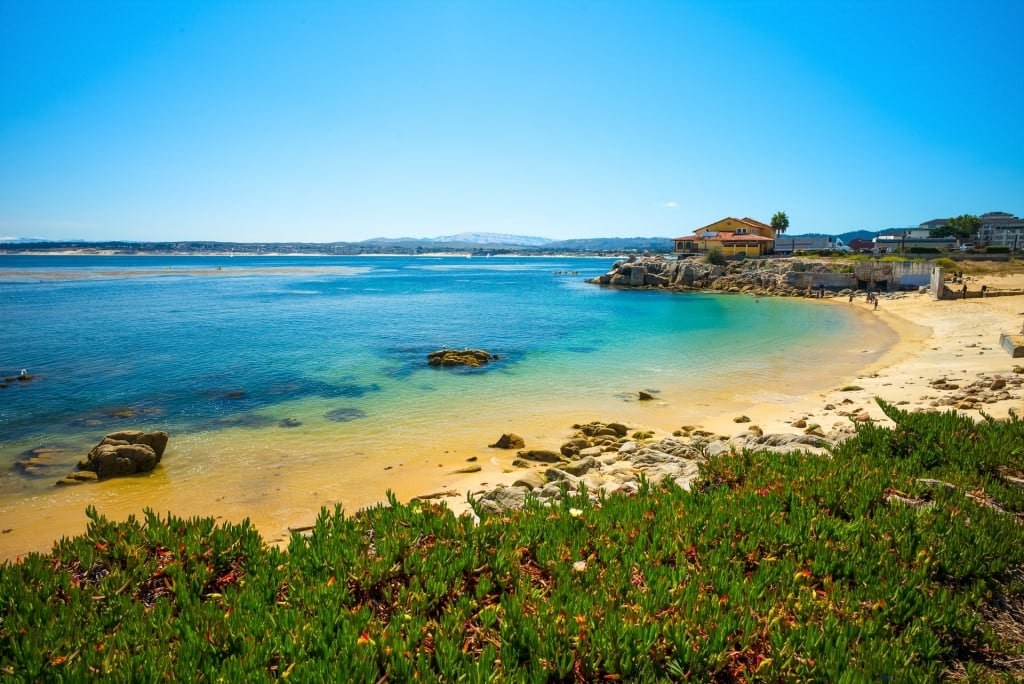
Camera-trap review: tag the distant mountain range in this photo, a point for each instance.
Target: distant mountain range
(495, 239)
(16, 240)
(490, 243)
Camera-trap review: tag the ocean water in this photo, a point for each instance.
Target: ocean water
(315, 367)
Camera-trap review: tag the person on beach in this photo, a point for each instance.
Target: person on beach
(876, 304)
(984, 290)
(963, 291)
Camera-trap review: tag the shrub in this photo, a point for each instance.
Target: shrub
(881, 558)
(947, 263)
(715, 256)
(996, 249)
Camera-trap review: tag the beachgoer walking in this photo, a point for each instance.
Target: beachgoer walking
(963, 291)
(876, 304)
(984, 290)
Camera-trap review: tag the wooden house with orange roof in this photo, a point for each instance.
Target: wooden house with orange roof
(733, 236)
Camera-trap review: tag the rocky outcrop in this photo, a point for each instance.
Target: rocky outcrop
(985, 389)
(786, 277)
(460, 357)
(607, 458)
(120, 453)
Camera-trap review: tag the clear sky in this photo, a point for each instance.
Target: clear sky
(319, 121)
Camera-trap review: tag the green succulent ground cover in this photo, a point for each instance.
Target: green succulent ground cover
(774, 568)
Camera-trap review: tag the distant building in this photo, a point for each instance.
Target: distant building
(934, 224)
(906, 239)
(861, 245)
(733, 236)
(790, 244)
(1000, 229)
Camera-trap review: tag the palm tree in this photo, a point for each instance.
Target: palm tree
(780, 222)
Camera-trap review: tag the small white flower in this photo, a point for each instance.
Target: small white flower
(575, 512)
(579, 566)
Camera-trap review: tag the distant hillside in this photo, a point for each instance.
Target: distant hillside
(495, 239)
(845, 237)
(448, 245)
(859, 235)
(635, 244)
(476, 239)
(21, 240)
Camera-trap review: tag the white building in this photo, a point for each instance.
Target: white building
(1000, 229)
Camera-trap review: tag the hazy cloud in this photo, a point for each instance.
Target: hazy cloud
(672, 204)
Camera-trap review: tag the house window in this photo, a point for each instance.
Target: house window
(741, 231)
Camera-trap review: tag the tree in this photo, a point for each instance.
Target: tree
(780, 222)
(963, 227)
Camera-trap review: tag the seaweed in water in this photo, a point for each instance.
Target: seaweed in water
(241, 420)
(345, 414)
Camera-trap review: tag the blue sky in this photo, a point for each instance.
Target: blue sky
(322, 121)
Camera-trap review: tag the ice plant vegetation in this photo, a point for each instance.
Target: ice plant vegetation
(897, 558)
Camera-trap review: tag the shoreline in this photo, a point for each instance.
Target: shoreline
(955, 339)
(952, 340)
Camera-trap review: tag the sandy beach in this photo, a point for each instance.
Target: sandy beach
(956, 341)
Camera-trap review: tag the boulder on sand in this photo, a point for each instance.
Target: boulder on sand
(509, 440)
(125, 453)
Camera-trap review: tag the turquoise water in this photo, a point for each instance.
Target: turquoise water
(308, 361)
(175, 343)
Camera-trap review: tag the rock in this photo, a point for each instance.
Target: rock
(741, 419)
(503, 499)
(76, 478)
(156, 440)
(716, 448)
(125, 453)
(558, 475)
(454, 357)
(289, 423)
(582, 466)
(997, 384)
(618, 428)
(475, 468)
(530, 480)
(509, 440)
(799, 423)
(574, 446)
(629, 447)
(540, 456)
(645, 396)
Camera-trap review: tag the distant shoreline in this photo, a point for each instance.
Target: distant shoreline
(433, 255)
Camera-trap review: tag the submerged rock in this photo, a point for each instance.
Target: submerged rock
(456, 357)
